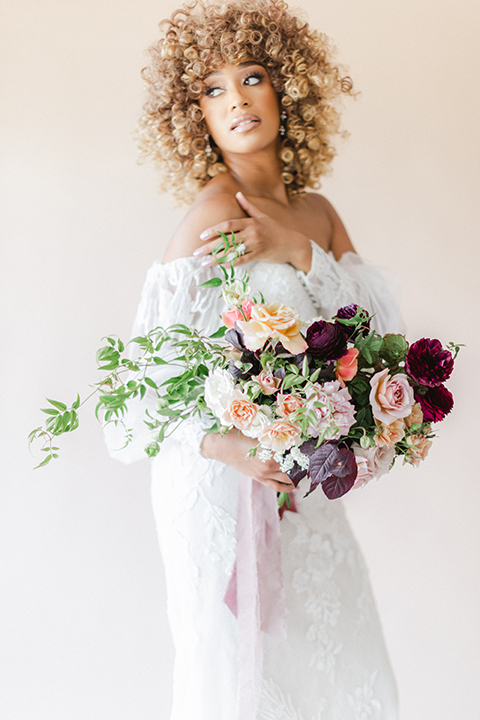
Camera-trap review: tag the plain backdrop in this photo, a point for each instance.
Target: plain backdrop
(82, 601)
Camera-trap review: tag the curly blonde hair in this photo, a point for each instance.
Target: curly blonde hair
(199, 38)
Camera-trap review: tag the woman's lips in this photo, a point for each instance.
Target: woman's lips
(246, 123)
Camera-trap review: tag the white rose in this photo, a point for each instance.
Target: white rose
(260, 421)
(235, 292)
(219, 390)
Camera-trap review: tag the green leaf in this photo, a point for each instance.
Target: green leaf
(214, 282)
(219, 333)
(151, 383)
(61, 406)
(159, 361)
(50, 411)
(44, 462)
(76, 404)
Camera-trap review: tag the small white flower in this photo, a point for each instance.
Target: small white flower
(300, 458)
(287, 463)
(234, 292)
(265, 454)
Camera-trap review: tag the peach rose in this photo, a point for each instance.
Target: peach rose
(229, 317)
(268, 382)
(391, 398)
(415, 417)
(273, 320)
(389, 434)
(287, 404)
(280, 435)
(419, 445)
(241, 411)
(347, 366)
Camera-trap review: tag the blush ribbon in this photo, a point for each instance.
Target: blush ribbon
(255, 593)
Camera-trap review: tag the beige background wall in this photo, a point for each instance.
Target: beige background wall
(82, 607)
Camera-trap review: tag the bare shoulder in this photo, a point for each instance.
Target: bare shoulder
(339, 240)
(212, 206)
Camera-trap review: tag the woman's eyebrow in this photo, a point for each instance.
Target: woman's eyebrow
(247, 63)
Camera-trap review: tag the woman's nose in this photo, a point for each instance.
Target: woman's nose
(239, 100)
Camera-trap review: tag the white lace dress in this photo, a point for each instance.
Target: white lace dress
(333, 664)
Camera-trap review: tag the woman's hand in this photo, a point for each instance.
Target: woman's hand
(232, 448)
(263, 237)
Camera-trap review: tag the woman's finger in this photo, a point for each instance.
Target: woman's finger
(248, 206)
(226, 227)
(208, 248)
(274, 485)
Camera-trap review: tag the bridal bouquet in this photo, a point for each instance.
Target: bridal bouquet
(333, 400)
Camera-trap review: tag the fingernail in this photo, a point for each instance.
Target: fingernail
(206, 263)
(204, 235)
(197, 252)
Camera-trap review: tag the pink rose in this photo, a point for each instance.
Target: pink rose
(377, 459)
(347, 366)
(287, 404)
(391, 398)
(229, 317)
(273, 320)
(389, 434)
(268, 382)
(365, 472)
(280, 435)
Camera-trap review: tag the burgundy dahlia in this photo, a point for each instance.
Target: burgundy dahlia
(353, 312)
(428, 363)
(436, 402)
(326, 340)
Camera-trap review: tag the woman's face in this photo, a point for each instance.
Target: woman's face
(241, 108)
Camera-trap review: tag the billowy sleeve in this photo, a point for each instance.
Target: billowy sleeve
(170, 295)
(332, 284)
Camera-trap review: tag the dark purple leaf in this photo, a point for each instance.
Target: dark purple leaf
(235, 338)
(334, 468)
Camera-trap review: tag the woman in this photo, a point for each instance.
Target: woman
(240, 119)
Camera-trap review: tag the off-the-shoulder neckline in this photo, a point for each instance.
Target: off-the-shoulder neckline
(190, 259)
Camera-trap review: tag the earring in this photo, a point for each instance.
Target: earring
(283, 117)
(208, 147)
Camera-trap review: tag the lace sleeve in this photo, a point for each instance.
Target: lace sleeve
(170, 295)
(331, 284)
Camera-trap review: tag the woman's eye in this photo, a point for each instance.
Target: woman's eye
(212, 91)
(254, 78)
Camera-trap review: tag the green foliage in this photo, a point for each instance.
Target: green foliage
(132, 375)
(454, 348)
(393, 349)
(368, 348)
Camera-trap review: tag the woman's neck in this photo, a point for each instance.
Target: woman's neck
(258, 174)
